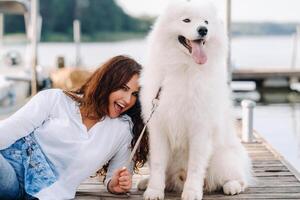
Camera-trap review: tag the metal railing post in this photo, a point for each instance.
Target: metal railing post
(247, 124)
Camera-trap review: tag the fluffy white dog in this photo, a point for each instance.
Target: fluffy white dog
(193, 143)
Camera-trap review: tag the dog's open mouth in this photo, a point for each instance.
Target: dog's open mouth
(195, 47)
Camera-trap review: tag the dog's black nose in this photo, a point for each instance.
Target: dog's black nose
(202, 30)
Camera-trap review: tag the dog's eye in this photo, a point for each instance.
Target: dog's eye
(206, 22)
(187, 20)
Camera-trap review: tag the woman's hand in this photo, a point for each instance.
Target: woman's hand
(121, 181)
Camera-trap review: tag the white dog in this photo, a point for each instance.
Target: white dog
(193, 143)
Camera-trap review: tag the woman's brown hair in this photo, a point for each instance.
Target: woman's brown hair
(93, 96)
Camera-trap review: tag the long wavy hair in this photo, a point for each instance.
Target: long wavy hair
(93, 96)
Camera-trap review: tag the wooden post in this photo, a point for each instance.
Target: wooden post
(295, 55)
(1, 28)
(295, 48)
(34, 40)
(76, 33)
(228, 23)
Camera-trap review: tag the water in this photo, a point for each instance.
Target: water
(255, 52)
(278, 124)
(92, 54)
(266, 52)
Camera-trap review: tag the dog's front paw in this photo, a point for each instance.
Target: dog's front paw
(153, 194)
(142, 185)
(190, 194)
(232, 188)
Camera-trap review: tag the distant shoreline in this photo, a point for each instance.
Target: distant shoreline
(237, 30)
(59, 37)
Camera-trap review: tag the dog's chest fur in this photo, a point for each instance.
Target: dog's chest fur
(183, 99)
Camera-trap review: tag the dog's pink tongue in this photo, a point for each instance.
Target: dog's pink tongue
(198, 53)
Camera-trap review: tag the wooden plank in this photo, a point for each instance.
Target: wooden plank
(255, 196)
(172, 196)
(270, 169)
(273, 181)
(255, 190)
(282, 179)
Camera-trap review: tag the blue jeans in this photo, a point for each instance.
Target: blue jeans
(10, 188)
(24, 170)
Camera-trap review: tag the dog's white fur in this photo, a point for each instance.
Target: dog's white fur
(193, 143)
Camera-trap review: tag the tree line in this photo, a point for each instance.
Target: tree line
(96, 16)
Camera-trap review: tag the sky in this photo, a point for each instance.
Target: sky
(242, 10)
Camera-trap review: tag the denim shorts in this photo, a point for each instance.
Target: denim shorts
(33, 169)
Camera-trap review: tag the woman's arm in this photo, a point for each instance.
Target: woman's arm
(119, 176)
(26, 119)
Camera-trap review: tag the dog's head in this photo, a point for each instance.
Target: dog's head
(193, 25)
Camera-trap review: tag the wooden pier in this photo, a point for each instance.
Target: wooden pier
(274, 180)
(259, 75)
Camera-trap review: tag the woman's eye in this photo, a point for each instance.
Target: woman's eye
(206, 22)
(187, 20)
(136, 94)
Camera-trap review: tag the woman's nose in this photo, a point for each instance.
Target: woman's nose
(127, 98)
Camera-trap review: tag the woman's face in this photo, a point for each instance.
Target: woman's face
(123, 99)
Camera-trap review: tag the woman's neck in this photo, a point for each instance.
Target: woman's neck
(89, 120)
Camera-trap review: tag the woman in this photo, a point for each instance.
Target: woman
(60, 138)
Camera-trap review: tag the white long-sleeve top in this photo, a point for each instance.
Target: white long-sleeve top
(75, 152)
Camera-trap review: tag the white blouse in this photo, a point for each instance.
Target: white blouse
(75, 152)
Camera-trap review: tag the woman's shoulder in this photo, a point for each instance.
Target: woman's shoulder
(125, 118)
(124, 122)
(53, 94)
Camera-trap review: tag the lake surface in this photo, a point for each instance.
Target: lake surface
(255, 52)
(280, 126)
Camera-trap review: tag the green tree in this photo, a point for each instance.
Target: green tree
(96, 16)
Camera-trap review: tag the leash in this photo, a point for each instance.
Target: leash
(154, 106)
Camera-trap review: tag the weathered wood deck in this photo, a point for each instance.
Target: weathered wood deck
(273, 181)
